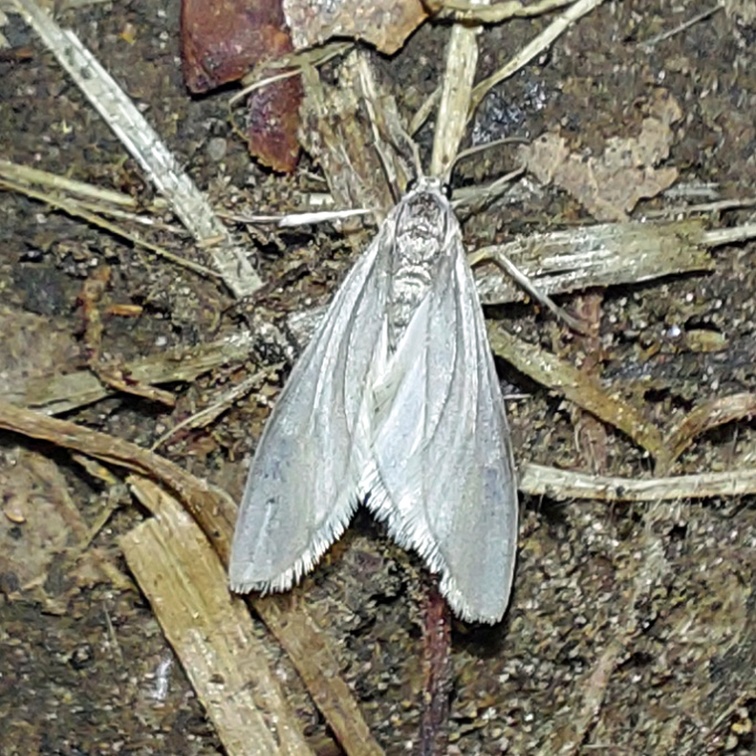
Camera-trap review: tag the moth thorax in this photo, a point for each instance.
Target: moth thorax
(409, 286)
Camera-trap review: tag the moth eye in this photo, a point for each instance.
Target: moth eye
(446, 188)
(412, 184)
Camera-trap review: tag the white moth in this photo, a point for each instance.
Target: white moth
(395, 403)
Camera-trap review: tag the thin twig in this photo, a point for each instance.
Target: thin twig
(522, 280)
(294, 63)
(649, 43)
(206, 416)
(76, 211)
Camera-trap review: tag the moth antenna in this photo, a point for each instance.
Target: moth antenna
(384, 133)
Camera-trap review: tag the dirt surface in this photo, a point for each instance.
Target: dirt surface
(634, 626)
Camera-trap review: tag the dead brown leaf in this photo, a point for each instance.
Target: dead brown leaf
(32, 349)
(611, 184)
(385, 24)
(221, 42)
(38, 518)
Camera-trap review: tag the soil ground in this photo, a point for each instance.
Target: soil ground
(653, 606)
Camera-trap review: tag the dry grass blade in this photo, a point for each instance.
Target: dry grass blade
(92, 198)
(532, 49)
(304, 642)
(358, 155)
(211, 633)
(591, 256)
(464, 10)
(24, 174)
(709, 415)
(146, 147)
(456, 90)
(206, 416)
(665, 447)
(215, 513)
(456, 94)
(568, 485)
(718, 236)
(558, 375)
(63, 393)
(211, 507)
(389, 135)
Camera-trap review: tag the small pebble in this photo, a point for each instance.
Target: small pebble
(216, 149)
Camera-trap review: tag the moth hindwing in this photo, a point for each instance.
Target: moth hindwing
(395, 403)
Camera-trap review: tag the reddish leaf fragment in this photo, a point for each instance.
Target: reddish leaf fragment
(273, 116)
(221, 41)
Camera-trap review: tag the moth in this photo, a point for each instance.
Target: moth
(394, 404)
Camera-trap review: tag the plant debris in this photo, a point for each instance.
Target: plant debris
(385, 24)
(220, 43)
(611, 184)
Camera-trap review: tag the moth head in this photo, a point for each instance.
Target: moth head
(424, 212)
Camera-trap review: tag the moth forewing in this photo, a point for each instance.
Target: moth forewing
(301, 486)
(396, 403)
